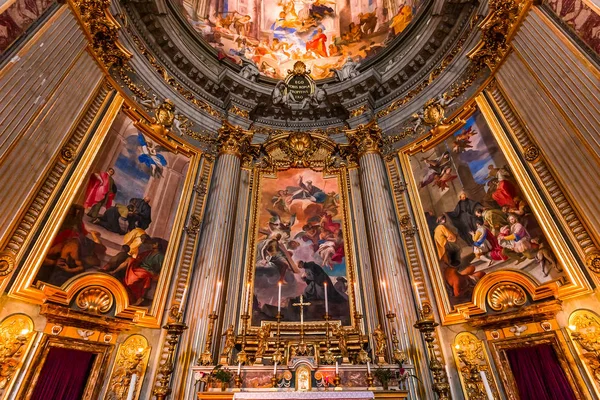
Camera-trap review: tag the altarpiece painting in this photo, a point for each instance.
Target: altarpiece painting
(300, 242)
(121, 218)
(477, 215)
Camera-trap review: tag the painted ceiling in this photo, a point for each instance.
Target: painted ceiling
(274, 34)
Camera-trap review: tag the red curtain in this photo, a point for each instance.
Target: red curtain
(538, 373)
(64, 375)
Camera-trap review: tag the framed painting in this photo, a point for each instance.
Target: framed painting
(300, 241)
(481, 218)
(117, 222)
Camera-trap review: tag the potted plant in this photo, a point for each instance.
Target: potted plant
(222, 375)
(384, 375)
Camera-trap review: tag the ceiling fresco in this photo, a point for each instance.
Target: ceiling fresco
(274, 34)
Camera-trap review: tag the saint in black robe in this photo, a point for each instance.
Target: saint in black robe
(464, 219)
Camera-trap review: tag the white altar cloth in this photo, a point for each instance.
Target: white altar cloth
(343, 395)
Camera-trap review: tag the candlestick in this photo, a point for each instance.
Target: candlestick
(440, 379)
(239, 367)
(217, 298)
(131, 390)
(369, 367)
(206, 356)
(326, 301)
(162, 389)
(279, 298)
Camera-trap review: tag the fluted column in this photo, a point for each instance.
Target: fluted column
(385, 246)
(212, 264)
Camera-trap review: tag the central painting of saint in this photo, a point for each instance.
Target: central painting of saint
(300, 243)
(274, 34)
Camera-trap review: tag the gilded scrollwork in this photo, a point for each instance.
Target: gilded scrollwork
(365, 139)
(15, 332)
(584, 326)
(474, 366)
(235, 140)
(130, 364)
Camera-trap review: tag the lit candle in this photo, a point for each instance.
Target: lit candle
(418, 295)
(183, 297)
(326, 301)
(369, 368)
(275, 368)
(486, 384)
(337, 368)
(217, 298)
(132, 384)
(246, 303)
(239, 367)
(279, 298)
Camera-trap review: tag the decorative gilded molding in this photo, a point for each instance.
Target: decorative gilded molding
(365, 139)
(239, 111)
(103, 30)
(194, 226)
(581, 238)
(67, 154)
(531, 153)
(584, 327)
(473, 366)
(357, 112)
(16, 330)
(95, 299)
(132, 359)
(234, 140)
(299, 149)
(7, 263)
(504, 296)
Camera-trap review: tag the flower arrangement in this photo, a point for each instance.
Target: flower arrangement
(384, 375)
(222, 375)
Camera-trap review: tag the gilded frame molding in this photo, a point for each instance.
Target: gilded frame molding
(24, 288)
(587, 325)
(261, 173)
(565, 358)
(575, 285)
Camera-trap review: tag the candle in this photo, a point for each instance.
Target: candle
(217, 298)
(275, 368)
(418, 295)
(239, 367)
(183, 297)
(131, 390)
(246, 303)
(279, 298)
(486, 384)
(386, 302)
(369, 368)
(326, 301)
(337, 366)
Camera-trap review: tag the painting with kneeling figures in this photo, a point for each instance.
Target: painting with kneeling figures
(122, 216)
(300, 243)
(476, 212)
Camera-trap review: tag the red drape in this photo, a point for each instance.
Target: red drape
(64, 375)
(538, 373)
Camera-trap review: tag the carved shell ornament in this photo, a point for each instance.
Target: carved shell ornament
(433, 113)
(506, 295)
(95, 299)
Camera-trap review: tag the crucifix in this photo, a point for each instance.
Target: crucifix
(301, 305)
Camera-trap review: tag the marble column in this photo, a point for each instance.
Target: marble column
(385, 246)
(212, 264)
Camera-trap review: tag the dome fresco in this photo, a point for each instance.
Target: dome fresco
(274, 34)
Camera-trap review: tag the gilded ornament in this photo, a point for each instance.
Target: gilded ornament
(365, 139)
(132, 358)
(405, 220)
(15, 331)
(584, 326)
(7, 263)
(357, 112)
(299, 148)
(67, 155)
(194, 225)
(433, 112)
(380, 344)
(471, 360)
(95, 299)
(592, 261)
(234, 140)
(531, 153)
(239, 111)
(505, 295)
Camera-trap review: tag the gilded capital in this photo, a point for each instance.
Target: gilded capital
(234, 140)
(366, 139)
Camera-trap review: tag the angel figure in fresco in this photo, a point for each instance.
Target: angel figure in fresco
(442, 180)
(282, 200)
(401, 20)
(436, 167)
(462, 141)
(151, 156)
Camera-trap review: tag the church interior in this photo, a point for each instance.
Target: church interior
(299, 199)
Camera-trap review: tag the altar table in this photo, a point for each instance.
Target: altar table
(348, 395)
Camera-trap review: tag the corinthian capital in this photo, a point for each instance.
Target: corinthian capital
(366, 139)
(234, 140)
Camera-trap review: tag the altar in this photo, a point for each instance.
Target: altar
(343, 395)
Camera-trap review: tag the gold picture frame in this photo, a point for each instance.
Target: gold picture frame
(151, 316)
(260, 174)
(575, 282)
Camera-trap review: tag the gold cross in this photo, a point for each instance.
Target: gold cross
(301, 305)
